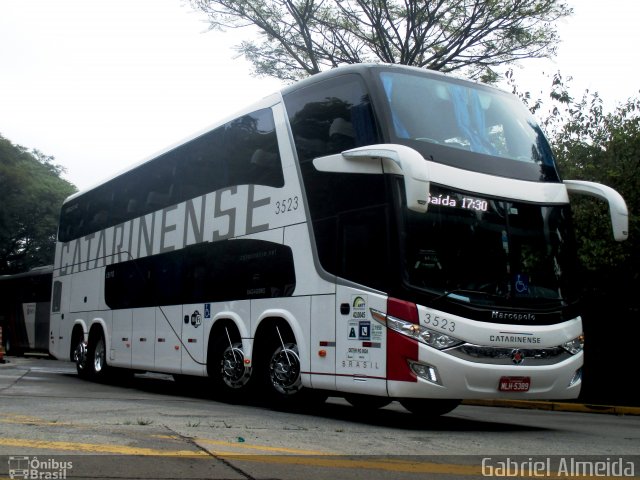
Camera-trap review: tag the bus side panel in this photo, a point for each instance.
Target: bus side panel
(361, 343)
(86, 290)
(143, 338)
(121, 337)
(193, 327)
(323, 342)
(168, 355)
(54, 342)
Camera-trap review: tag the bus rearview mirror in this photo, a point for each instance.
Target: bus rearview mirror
(617, 206)
(387, 158)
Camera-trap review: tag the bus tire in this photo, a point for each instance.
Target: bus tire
(278, 366)
(278, 372)
(97, 356)
(79, 354)
(229, 373)
(429, 407)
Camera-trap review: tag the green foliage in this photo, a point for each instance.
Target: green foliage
(297, 38)
(604, 147)
(32, 193)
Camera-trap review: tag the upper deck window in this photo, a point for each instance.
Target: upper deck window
(243, 151)
(466, 125)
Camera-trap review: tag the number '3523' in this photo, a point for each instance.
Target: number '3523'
(287, 205)
(439, 322)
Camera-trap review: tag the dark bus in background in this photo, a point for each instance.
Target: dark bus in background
(25, 304)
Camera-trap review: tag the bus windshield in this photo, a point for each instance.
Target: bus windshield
(466, 125)
(490, 252)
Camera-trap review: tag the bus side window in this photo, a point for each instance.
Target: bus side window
(341, 135)
(56, 299)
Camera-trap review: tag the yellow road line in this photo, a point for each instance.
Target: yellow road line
(321, 460)
(29, 420)
(264, 448)
(98, 448)
(367, 463)
(309, 461)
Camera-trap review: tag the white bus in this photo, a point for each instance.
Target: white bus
(375, 232)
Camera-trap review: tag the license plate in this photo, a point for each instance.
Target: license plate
(514, 384)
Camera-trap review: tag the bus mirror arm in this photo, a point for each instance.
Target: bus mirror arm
(617, 206)
(398, 159)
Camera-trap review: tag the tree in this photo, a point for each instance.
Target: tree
(297, 38)
(32, 193)
(591, 144)
(605, 147)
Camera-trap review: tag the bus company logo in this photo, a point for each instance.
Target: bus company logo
(196, 319)
(517, 357)
(359, 308)
(26, 468)
(513, 316)
(359, 303)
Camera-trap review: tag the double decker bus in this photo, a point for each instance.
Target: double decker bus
(376, 232)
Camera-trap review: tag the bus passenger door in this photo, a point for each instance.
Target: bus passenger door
(360, 343)
(193, 338)
(168, 355)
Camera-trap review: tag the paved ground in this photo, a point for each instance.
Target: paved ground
(539, 405)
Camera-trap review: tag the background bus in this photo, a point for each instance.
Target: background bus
(379, 232)
(25, 306)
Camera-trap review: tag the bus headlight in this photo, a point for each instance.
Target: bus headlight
(422, 334)
(574, 346)
(426, 371)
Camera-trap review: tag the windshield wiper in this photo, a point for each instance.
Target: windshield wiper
(457, 294)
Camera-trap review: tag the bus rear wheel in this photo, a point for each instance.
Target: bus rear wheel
(279, 372)
(97, 357)
(279, 368)
(284, 370)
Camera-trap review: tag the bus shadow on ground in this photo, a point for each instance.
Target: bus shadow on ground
(335, 408)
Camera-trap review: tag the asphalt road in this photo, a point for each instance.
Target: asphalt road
(53, 423)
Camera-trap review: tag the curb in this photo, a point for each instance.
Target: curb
(556, 406)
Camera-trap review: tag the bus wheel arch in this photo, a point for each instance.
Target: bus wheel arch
(227, 364)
